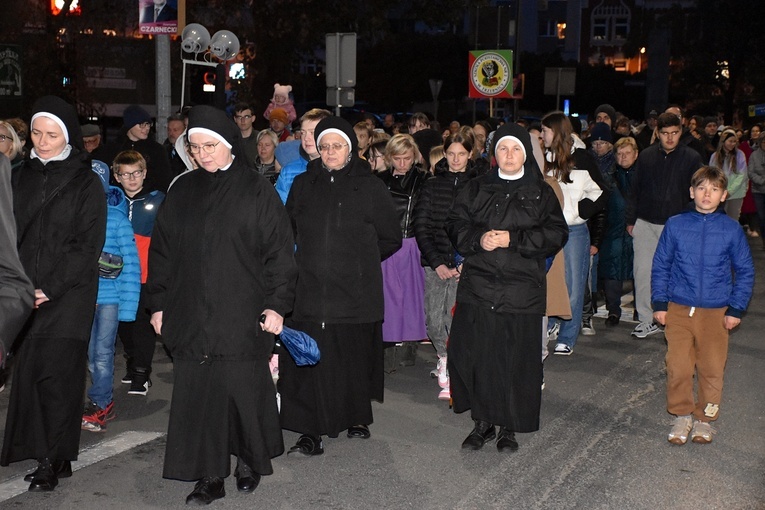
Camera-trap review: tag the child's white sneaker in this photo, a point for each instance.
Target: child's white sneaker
(681, 427)
(701, 432)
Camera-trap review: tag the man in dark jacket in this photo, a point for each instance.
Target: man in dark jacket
(660, 190)
(134, 135)
(686, 138)
(221, 256)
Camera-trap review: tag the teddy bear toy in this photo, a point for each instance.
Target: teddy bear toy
(281, 100)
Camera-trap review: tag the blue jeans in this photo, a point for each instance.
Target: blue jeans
(101, 354)
(576, 254)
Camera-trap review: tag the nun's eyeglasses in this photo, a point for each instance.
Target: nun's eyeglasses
(208, 147)
(325, 147)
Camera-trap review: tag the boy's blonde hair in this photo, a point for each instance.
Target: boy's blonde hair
(128, 158)
(714, 175)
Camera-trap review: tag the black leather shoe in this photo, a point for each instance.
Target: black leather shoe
(359, 432)
(482, 433)
(62, 468)
(506, 440)
(45, 479)
(246, 480)
(308, 446)
(612, 320)
(207, 490)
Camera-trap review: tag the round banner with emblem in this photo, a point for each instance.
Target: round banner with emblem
(491, 73)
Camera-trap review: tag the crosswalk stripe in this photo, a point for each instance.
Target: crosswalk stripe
(88, 456)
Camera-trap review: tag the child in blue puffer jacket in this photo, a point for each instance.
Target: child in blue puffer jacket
(701, 283)
(117, 301)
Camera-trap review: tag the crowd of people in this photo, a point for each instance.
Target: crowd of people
(488, 241)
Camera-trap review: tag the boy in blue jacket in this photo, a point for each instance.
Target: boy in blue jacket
(117, 301)
(701, 282)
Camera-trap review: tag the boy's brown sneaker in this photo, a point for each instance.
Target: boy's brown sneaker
(701, 432)
(681, 428)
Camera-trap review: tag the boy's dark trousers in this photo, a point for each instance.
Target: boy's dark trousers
(138, 338)
(696, 343)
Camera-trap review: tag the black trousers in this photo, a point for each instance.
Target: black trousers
(138, 338)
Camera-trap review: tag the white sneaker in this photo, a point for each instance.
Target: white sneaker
(443, 374)
(701, 432)
(587, 329)
(445, 393)
(563, 350)
(552, 333)
(681, 427)
(645, 329)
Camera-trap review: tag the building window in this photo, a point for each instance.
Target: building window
(549, 28)
(610, 23)
(600, 29)
(561, 30)
(621, 27)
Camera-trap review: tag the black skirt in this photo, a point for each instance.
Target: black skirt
(495, 366)
(336, 393)
(220, 409)
(45, 410)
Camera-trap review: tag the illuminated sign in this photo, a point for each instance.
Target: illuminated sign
(57, 5)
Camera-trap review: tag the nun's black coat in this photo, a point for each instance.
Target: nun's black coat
(495, 347)
(221, 253)
(345, 223)
(60, 241)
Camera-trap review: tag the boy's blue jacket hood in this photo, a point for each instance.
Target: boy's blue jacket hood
(116, 198)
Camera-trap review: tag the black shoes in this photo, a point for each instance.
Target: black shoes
(246, 480)
(506, 440)
(61, 468)
(44, 479)
(482, 433)
(359, 432)
(308, 446)
(207, 490)
(612, 320)
(140, 382)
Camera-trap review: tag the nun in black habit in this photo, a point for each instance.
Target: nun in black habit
(221, 255)
(345, 223)
(61, 225)
(505, 223)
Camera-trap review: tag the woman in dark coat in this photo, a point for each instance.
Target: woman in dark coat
(345, 224)
(505, 224)
(616, 251)
(221, 255)
(439, 258)
(61, 220)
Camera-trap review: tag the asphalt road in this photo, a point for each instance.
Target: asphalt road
(602, 444)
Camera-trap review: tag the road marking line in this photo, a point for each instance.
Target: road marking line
(88, 456)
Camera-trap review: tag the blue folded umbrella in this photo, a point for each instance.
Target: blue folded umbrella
(300, 345)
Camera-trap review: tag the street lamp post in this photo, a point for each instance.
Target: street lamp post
(196, 40)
